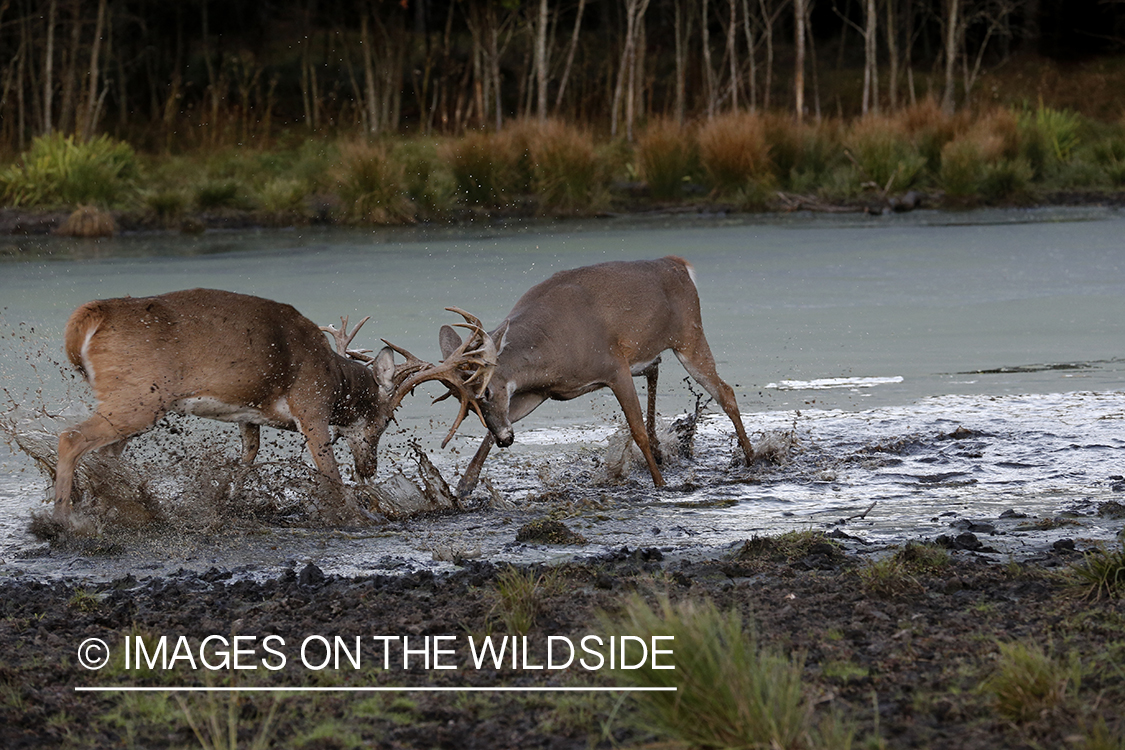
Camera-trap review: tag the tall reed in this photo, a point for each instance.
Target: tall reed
(734, 152)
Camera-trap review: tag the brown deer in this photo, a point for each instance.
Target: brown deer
(591, 328)
(237, 358)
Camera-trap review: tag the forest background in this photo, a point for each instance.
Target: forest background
(400, 110)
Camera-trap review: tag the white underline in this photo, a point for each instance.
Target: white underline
(196, 689)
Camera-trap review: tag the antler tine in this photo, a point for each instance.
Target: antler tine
(343, 339)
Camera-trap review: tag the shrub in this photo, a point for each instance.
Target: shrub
(283, 196)
(372, 185)
(1006, 179)
(60, 169)
(1048, 137)
(491, 168)
(731, 692)
(884, 153)
(961, 168)
(565, 170)
(734, 152)
(801, 153)
(221, 193)
(666, 158)
(930, 129)
(427, 177)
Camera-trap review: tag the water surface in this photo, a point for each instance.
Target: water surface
(863, 343)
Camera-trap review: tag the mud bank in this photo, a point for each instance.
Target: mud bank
(899, 658)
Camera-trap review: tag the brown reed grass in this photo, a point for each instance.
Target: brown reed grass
(734, 151)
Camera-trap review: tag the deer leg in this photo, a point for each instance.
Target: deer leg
(96, 432)
(251, 441)
(519, 407)
(469, 479)
(622, 387)
(319, 439)
(651, 372)
(700, 364)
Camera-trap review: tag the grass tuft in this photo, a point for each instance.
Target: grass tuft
(62, 170)
(731, 691)
(667, 157)
(1102, 573)
(734, 152)
(1029, 684)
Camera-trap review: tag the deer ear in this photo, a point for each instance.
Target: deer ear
(500, 337)
(448, 340)
(384, 369)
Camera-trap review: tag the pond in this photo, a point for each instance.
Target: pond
(945, 367)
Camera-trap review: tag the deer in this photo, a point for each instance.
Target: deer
(243, 359)
(589, 328)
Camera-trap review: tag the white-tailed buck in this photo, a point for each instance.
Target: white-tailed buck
(236, 358)
(591, 328)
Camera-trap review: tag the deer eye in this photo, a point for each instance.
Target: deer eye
(488, 393)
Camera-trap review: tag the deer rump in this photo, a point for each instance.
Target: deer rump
(220, 355)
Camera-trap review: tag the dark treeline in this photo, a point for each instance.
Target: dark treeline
(188, 73)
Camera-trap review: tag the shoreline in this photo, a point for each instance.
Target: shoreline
(24, 222)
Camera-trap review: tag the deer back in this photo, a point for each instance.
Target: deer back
(203, 343)
(580, 321)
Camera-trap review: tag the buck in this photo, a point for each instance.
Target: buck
(238, 358)
(590, 328)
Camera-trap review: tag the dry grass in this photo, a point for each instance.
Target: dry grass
(566, 173)
(371, 185)
(734, 151)
(667, 155)
(88, 221)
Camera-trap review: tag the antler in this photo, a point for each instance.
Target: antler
(471, 362)
(343, 338)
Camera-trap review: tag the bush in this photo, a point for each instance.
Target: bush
(61, 170)
(372, 185)
(666, 158)
(884, 153)
(1005, 180)
(565, 170)
(1048, 137)
(491, 169)
(734, 152)
(961, 168)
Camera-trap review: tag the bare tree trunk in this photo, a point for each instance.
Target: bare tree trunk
(705, 28)
(48, 68)
(634, 10)
(371, 106)
(93, 101)
(892, 52)
(768, 20)
(570, 54)
(799, 71)
(751, 48)
(871, 63)
(952, 27)
(636, 69)
(541, 61)
(732, 53)
(683, 35)
(67, 118)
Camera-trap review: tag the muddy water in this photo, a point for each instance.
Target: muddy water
(947, 368)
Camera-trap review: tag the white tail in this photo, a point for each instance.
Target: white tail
(234, 358)
(591, 328)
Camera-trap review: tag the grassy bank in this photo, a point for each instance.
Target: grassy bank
(744, 162)
(788, 642)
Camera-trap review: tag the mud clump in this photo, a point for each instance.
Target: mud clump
(547, 531)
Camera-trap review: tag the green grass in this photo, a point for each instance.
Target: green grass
(60, 170)
(1029, 684)
(731, 690)
(1102, 572)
